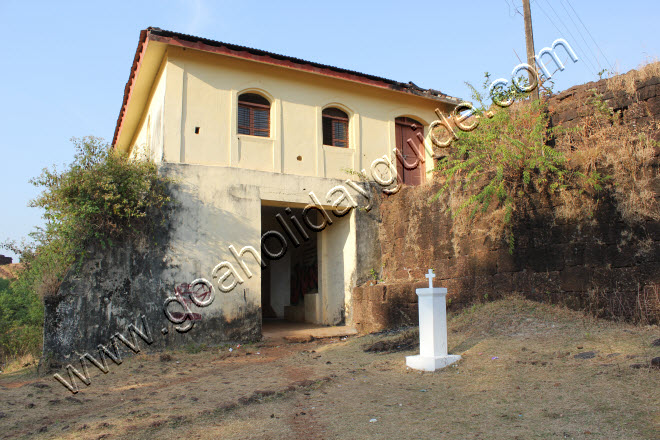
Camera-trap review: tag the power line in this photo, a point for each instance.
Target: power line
(509, 6)
(582, 36)
(592, 38)
(550, 19)
(575, 40)
(513, 2)
(561, 33)
(590, 65)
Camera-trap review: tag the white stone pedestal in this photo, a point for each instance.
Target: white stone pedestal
(313, 308)
(432, 329)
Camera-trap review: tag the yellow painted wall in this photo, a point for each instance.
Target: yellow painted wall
(149, 139)
(202, 91)
(225, 178)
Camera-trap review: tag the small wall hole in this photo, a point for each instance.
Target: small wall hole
(196, 130)
(299, 158)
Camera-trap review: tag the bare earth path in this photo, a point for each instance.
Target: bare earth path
(519, 379)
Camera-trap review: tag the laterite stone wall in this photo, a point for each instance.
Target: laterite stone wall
(597, 266)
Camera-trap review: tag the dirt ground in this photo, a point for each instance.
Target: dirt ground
(519, 379)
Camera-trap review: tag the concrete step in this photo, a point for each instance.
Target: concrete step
(299, 332)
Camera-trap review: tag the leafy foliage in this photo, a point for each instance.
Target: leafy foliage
(492, 169)
(21, 318)
(102, 197)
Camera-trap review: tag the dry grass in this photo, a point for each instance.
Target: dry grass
(489, 224)
(574, 206)
(627, 82)
(404, 341)
(10, 271)
(518, 379)
(20, 363)
(623, 152)
(629, 157)
(642, 307)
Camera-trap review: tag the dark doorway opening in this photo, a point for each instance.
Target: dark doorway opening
(289, 282)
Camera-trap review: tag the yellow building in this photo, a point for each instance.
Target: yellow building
(254, 138)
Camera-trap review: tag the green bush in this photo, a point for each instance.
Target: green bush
(102, 196)
(21, 322)
(99, 199)
(491, 170)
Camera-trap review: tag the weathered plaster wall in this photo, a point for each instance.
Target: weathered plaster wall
(221, 206)
(183, 111)
(215, 207)
(368, 223)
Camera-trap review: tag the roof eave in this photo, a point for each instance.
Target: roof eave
(128, 89)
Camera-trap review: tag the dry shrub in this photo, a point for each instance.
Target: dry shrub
(573, 206)
(49, 285)
(489, 224)
(18, 363)
(496, 174)
(492, 171)
(642, 307)
(627, 81)
(648, 304)
(625, 153)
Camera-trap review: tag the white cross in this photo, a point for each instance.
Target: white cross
(430, 276)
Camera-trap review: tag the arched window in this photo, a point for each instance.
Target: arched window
(253, 115)
(335, 127)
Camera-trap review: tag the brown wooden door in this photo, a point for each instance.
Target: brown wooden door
(410, 151)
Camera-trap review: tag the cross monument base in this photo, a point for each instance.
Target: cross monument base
(432, 329)
(425, 363)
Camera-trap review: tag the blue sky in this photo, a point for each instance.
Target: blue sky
(65, 64)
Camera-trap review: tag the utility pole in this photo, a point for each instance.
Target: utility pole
(529, 40)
